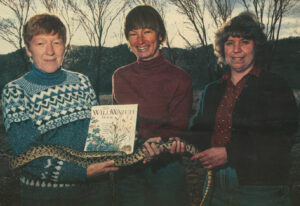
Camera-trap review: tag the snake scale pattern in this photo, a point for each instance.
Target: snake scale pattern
(86, 158)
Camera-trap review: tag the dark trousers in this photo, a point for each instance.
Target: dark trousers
(148, 187)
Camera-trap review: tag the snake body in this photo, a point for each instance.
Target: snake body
(86, 158)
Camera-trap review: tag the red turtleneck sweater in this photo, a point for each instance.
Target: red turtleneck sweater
(162, 91)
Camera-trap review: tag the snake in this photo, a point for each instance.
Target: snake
(86, 158)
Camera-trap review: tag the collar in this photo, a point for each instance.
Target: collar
(151, 64)
(255, 71)
(39, 77)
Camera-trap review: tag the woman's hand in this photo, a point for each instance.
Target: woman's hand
(98, 169)
(177, 145)
(150, 149)
(213, 157)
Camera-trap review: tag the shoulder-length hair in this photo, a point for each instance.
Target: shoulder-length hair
(244, 25)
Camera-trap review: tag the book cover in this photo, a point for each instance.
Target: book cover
(112, 128)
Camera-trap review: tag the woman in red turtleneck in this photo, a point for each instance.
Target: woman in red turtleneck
(163, 93)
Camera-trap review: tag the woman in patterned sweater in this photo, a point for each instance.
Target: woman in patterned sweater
(50, 105)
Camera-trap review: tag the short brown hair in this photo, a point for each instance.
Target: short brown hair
(43, 24)
(145, 16)
(244, 25)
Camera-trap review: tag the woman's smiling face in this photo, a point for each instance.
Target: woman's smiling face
(47, 51)
(144, 43)
(239, 54)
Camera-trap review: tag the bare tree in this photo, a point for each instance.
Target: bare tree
(198, 21)
(11, 28)
(194, 10)
(220, 10)
(96, 18)
(270, 13)
(64, 11)
(119, 33)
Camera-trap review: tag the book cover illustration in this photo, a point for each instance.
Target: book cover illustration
(112, 128)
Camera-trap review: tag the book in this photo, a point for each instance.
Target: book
(112, 128)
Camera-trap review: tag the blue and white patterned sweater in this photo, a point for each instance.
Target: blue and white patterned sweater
(42, 108)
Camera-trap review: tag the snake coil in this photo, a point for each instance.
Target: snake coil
(86, 158)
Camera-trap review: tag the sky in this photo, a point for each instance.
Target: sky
(174, 21)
